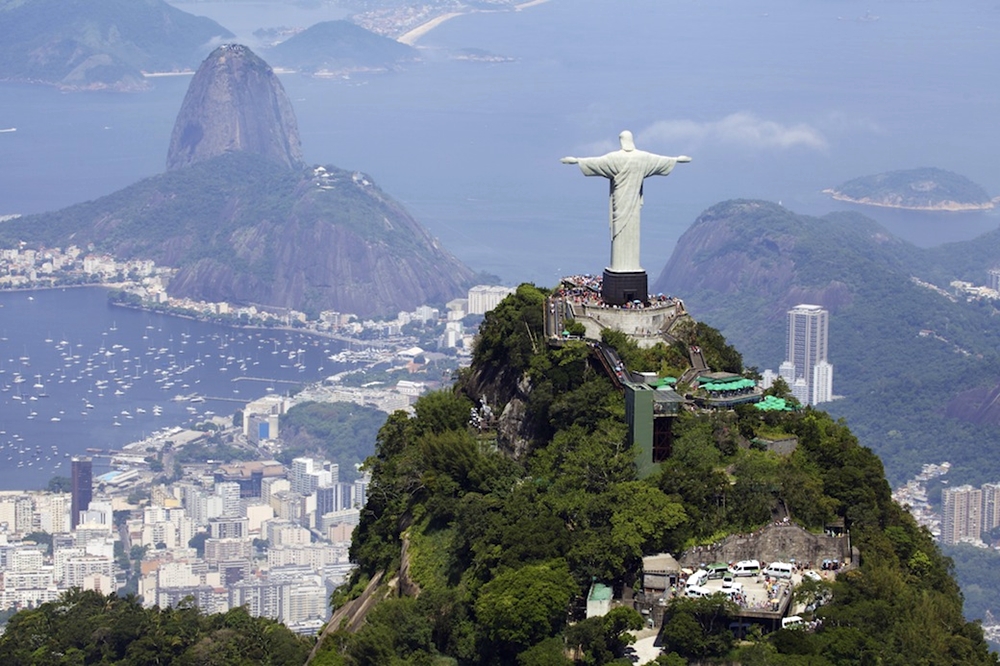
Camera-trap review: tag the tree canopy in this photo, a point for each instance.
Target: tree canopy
(503, 544)
(86, 627)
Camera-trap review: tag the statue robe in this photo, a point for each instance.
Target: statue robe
(626, 169)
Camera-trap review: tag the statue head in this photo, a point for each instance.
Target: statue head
(626, 140)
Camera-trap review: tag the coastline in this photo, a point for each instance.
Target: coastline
(153, 75)
(255, 327)
(944, 207)
(410, 37)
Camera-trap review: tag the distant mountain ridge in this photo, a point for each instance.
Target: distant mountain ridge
(333, 46)
(100, 44)
(241, 228)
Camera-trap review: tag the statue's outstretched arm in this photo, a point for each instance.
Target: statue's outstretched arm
(570, 160)
(683, 158)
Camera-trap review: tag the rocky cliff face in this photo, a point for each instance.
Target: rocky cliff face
(235, 103)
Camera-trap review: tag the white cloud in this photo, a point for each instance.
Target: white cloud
(742, 129)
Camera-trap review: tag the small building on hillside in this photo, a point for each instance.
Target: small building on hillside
(598, 600)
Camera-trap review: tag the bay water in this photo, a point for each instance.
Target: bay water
(77, 373)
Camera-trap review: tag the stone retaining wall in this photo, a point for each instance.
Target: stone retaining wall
(780, 542)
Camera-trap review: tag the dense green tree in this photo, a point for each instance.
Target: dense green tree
(441, 411)
(504, 528)
(550, 652)
(602, 639)
(698, 628)
(91, 628)
(342, 432)
(523, 606)
(60, 484)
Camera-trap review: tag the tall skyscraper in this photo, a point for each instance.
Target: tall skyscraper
(82, 482)
(806, 368)
(991, 506)
(961, 512)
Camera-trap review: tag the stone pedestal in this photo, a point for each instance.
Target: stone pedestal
(622, 288)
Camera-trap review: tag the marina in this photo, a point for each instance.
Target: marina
(79, 374)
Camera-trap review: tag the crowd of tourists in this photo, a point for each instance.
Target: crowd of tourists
(586, 290)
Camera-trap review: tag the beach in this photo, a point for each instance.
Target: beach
(410, 37)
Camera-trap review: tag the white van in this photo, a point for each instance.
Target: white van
(792, 622)
(697, 579)
(697, 592)
(779, 570)
(745, 568)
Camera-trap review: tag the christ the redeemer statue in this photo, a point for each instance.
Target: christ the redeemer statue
(626, 169)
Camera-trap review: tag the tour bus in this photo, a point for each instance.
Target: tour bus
(779, 570)
(745, 568)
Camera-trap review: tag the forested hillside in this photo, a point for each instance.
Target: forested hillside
(100, 44)
(340, 431)
(902, 352)
(90, 628)
(243, 229)
(484, 548)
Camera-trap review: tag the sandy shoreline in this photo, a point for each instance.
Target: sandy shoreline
(152, 75)
(411, 36)
(945, 206)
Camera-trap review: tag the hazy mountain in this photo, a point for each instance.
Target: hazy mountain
(244, 221)
(909, 359)
(338, 46)
(93, 44)
(234, 103)
(915, 189)
(244, 229)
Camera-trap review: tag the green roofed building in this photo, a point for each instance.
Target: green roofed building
(772, 403)
(726, 390)
(598, 600)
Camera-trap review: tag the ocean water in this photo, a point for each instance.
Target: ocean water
(776, 99)
(77, 373)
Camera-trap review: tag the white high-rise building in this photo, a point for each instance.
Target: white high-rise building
(361, 490)
(822, 388)
(308, 474)
(960, 519)
(991, 506)
(806, 368)
(483, 298)
(229, 491)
